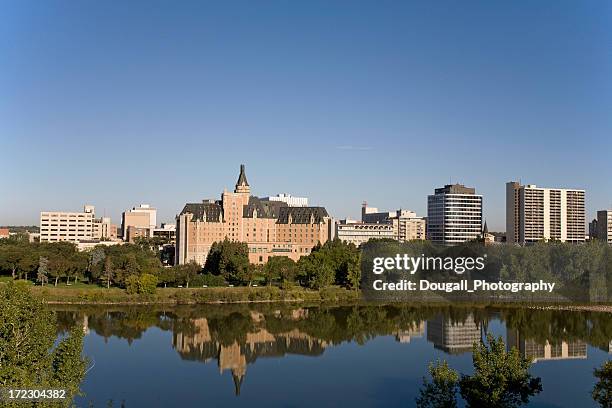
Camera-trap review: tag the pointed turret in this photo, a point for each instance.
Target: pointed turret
(242, 185)
(238, 377)
(485, 230)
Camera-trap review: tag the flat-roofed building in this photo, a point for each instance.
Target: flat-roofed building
(546, 350)
(453, 337)
(166, 231)
(4, 233)
(57, 226)
(357, 232)
(406, 225)
(103, 229)
(454, 215)
(541, 214)
(290, 200)
(604, 226)
(143, 216)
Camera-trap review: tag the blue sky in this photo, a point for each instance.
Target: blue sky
(120, 102)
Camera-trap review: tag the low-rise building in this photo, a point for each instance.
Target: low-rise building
(167, 231)
(290, 200)
(357, 233)
(406, 225)
(103, 229)
(4, 233)
(87, 245)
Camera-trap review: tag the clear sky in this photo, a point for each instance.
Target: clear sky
(116, 103)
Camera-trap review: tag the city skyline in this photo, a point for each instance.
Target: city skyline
(115, 105)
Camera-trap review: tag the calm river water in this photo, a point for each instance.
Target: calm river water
(271, 355)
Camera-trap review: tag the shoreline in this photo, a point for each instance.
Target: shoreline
(97, 296)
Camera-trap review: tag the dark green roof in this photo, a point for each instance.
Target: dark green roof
(302, 215)
(212, 212)
(265, 208)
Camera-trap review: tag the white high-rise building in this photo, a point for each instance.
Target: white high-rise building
(604, 226)
(540, 214)
(454, 215)
(290, 200)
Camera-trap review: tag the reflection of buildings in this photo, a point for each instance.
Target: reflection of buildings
(453, 338)
(530, 348)
(405, 336)
(236, 356)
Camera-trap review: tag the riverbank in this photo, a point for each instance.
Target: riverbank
(94, 295)
(184, 296)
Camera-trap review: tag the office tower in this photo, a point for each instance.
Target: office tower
(540, 214)
(604, 226)
(56, 226)
(453, 337)
(454, 215)
(270, 228)
(143, 218)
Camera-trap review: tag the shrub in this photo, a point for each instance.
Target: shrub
(208, 280)
(147, 284)
(132, 283)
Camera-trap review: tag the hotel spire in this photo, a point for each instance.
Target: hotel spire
(242, 185)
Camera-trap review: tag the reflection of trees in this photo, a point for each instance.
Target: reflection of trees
(237, 335)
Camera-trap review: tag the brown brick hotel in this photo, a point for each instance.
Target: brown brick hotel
(270, 228)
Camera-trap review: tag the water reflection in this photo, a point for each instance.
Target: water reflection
(234, 337)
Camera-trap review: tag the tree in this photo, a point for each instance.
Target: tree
(602, 391)
(316, 270)
(29, 358)
(500, 378)
(279, 268)
(108, 272)
(58, 267)
(27, 263)
(230, 260)
(97, 258)
(132, 283)
(147, 284)
(189, 271)
(128, 267)
(43, 271)
(9, 258)
(441, 392)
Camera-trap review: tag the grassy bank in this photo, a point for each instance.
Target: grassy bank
(103, 296)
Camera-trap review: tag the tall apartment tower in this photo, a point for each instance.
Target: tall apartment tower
(604, 226)
(454, 215)
(534, 214)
